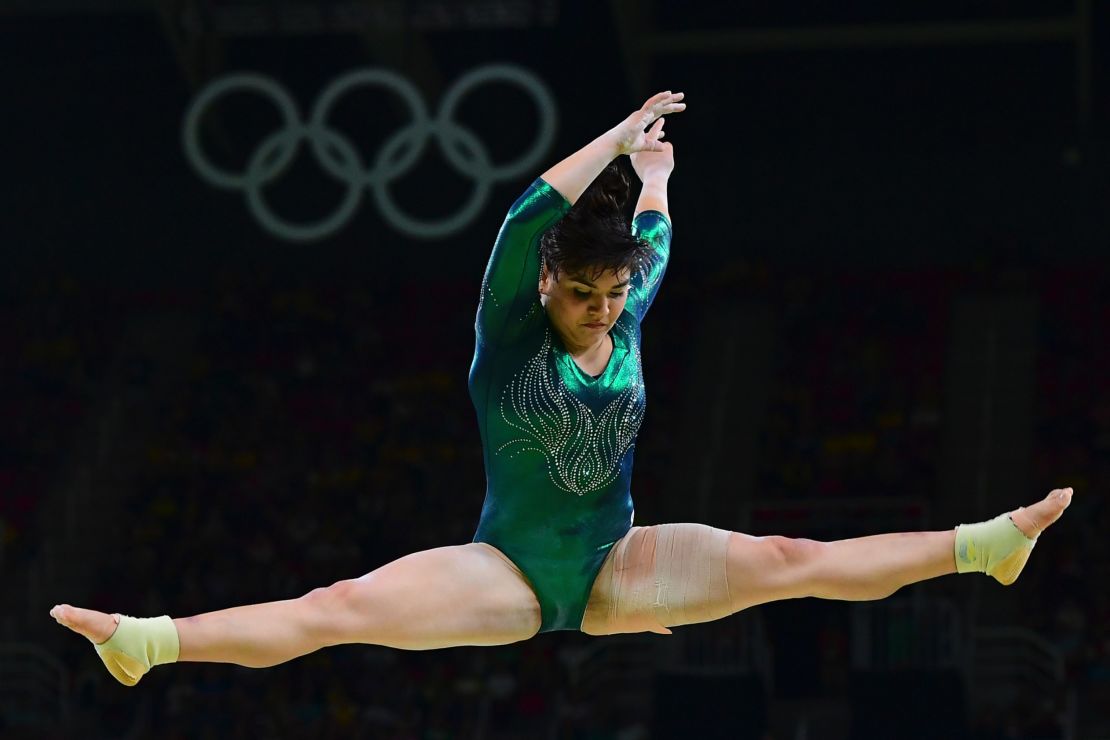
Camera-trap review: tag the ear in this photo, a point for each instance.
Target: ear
(546, 281)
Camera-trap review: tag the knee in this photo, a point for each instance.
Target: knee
(336, 595)
(762, 569)
(794, 552)
(799, 563)
(325, 611)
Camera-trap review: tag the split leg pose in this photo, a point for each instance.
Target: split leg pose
(558, 388)
(471, 595)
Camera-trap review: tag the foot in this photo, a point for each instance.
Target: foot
(97, 626)
(1033, 520)
(1000, 547)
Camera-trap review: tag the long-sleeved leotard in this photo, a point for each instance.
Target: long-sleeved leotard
(557, 443)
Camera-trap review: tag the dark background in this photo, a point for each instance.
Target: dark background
(887, 308)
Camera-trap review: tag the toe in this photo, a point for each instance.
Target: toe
(96, 626)
(1059, 500)
(1032, 520)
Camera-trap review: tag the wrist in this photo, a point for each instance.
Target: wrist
(612, 141)
(656, 179)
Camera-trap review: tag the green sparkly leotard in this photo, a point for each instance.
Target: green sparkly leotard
(557, 442)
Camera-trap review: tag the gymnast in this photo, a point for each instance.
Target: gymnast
(558, 387)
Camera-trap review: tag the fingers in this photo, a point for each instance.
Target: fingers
(661, 104)
(655, 133)
(674, 105)
(665, 100)
(652, 138)
(635, 138)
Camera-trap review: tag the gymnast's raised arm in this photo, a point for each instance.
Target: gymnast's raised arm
(509, 285)
(651, 223)
(574, 174)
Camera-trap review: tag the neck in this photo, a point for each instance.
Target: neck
(580, 350)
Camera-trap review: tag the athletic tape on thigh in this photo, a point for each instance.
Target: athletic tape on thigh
(691, 574)
(661, 576)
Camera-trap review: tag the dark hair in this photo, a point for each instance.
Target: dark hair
(594, 237)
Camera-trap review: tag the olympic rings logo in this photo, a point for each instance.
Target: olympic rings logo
(341, 159)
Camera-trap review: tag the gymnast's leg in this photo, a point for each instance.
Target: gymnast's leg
(460, 595)
(762, 569)
(674, 574)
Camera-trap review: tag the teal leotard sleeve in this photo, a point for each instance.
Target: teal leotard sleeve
(644, 284)
(511, 284)
(557, 443)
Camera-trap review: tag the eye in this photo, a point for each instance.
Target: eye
(581, 293)
(617, 295)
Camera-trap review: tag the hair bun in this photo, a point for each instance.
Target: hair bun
(594, 236)
(607, 194)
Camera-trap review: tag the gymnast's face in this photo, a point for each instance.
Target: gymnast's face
(583, 306)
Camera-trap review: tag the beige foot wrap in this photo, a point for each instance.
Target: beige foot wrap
(996, 547)
(659, 577)
(138, 645)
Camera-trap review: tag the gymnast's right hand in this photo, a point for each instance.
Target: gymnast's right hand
(630, 134)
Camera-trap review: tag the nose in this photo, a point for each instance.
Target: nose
(600, 306)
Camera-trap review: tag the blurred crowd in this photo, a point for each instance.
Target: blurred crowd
(55, 335)
(1072, 447)
(856, 410)
(325, 429)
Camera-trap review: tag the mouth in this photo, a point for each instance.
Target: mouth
(595, 325)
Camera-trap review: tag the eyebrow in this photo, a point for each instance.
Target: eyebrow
(584, 281)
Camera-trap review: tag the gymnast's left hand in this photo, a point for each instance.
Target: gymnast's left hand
(654, 166)
(630, 135)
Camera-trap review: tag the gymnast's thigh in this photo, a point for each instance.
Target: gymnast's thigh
(468, 594)
(658, 577)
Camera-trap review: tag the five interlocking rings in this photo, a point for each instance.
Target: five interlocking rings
(340, 158)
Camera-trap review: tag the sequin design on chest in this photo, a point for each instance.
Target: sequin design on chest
(583, 450)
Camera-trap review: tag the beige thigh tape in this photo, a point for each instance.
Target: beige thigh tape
(658, 577)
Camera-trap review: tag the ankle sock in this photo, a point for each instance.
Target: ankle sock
(995, 547)
(137, 645)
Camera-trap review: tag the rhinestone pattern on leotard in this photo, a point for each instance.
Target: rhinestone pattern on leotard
(583, 450)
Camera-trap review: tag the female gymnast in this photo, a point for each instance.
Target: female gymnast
(558, 387)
